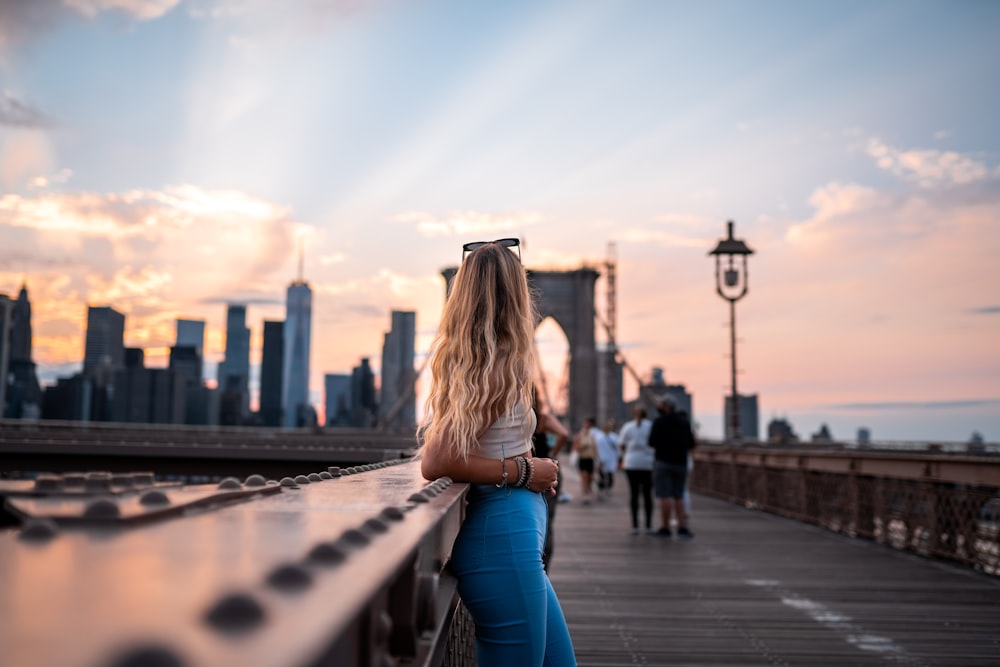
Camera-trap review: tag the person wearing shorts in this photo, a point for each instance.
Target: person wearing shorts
(672, 439)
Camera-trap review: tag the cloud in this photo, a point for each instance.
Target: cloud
(928, 168)
(465, 223)
(15, 113)
(24, 20)
(23, 156)
(149, 253)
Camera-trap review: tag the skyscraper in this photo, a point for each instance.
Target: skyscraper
(363, 405)
(234, 371)
(192, 333)
(271, 363)
(6, 315)
(398, 406)
(104, 349)
(298, 325)
(337, 399)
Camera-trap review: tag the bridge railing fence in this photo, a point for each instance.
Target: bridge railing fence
(935, 505)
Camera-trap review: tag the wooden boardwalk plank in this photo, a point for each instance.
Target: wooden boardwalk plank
(757, 589)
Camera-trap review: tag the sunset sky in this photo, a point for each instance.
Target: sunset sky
(167, 156)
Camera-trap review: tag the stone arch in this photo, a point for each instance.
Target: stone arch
(568, 298)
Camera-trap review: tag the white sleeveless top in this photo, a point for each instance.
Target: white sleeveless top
(508, 436)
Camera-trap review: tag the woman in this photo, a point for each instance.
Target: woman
(586, 452)
(477, 429)
(637, 459)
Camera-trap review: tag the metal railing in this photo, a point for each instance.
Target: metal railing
(938, 505)
(339, 567)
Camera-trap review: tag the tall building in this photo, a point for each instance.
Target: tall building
(363, 405)
(24, 393)
(6, 317)
(147, 395)
(749, 421)
(271, 366)
(337, 399)
(234, 371)
(191, 333)
(104, 349)
(295, 381)
(398, 405)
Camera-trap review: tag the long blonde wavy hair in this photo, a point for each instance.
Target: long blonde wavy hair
(483, 356)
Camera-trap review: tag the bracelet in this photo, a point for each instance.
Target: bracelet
(531, 472)
(503, 476)
(522, 471)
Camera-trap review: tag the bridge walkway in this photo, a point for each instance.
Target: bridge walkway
(756, 589)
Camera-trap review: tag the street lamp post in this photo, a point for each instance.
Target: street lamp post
(732, 285)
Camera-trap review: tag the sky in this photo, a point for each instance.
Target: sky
(166, 157)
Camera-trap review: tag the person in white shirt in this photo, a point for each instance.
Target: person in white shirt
(637, 460)
(607, 449)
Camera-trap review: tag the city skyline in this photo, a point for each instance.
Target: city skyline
(852, 144)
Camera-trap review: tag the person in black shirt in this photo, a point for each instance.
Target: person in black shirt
(671, 437)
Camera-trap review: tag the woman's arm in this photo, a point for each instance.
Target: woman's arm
(436, 463)
(552, 425)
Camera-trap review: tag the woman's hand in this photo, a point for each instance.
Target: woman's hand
(545, 475)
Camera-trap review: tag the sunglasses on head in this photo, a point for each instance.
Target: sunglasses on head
(506, 243)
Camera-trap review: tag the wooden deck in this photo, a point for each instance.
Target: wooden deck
(756, 589)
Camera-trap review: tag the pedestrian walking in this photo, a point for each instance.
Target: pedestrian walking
(637, 461)
(672, 439)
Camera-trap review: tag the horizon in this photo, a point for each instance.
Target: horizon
(167, 156)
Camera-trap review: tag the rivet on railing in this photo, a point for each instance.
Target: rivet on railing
(38, 530)
(375, 525)
(255, 481)
(392, 514)
(290, 578)
(326, 553)
(288, 483)
(301, 479)
(235, 613)
(418, 498)
(325, 475)
(314, 477)
(102, 508)
(354, 537)
(147, 656)
(154, 497)
(230, 484)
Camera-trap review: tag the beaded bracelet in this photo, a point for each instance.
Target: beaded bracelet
(522, 471)
(531, 472)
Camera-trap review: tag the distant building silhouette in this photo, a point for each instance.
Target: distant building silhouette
(6, 319)
(104, 346)
(363, 405)
(398, 404)
(779, 431)
(337, 399)
(191, 333)
(24, 394)
(147, 395)
(822, 435)
(864, 437)
(749, 419)
(234, 371)
(271, 373)
(297, 334)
